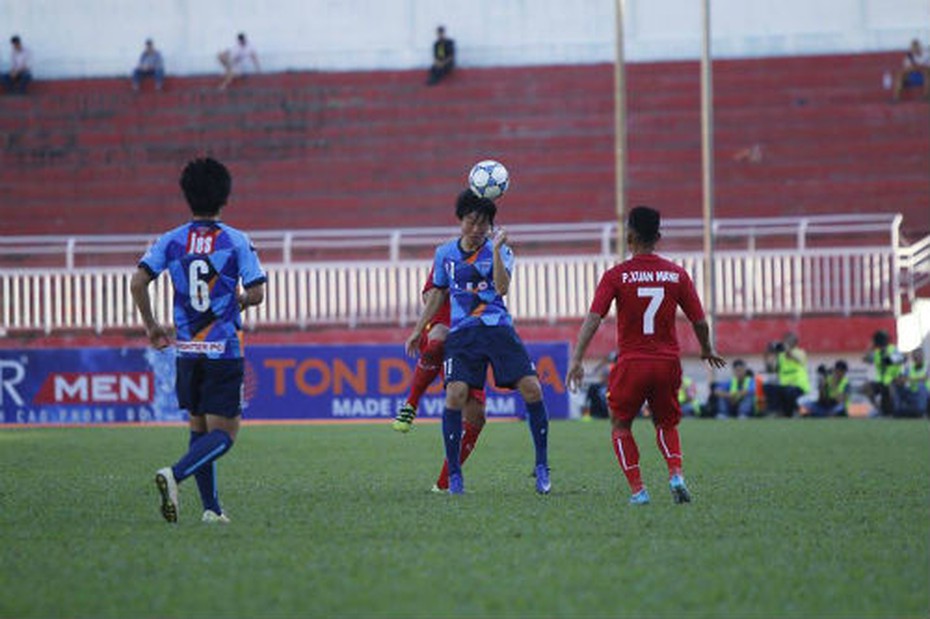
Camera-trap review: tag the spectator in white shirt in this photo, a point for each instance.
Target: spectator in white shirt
(235, 59)
(20, 74)
(914, 71)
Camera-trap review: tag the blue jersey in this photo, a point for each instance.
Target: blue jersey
(206, 261)
(469, 278)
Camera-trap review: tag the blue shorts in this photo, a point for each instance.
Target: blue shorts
(211, 386)
(914, 78)
(470, 350)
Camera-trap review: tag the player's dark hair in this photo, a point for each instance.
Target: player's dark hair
(841, 365)
(15, 40)
(880, 338)
(468, 202)
(739, 363)
(644, 222)
(206, 184)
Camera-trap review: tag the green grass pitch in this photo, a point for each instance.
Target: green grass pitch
(791, 518)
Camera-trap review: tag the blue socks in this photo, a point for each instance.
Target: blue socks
(203, 451)
(206, 480)
(539, 428)
(452, 438)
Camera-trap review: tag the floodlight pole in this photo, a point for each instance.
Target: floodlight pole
(707, 166)
(620, 131)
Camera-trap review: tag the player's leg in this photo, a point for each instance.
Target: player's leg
(465, 366)
(538, 421)
(456, 397)
(513, 368)
(473, 422)
(206, 476)
(427, 369)
(625, 398)
(666, 415)
(210, 385)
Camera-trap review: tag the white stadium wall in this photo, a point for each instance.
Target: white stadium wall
(72, 38)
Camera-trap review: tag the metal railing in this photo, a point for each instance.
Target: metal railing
(752, 280)
(393, 244)
(764, 282)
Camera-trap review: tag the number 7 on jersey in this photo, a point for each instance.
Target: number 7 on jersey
(655, 300)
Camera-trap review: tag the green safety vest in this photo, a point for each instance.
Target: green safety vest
(735, 386)
(917, 375)
(838, 391)
(792, 374)
(683, 390)
(886, 373)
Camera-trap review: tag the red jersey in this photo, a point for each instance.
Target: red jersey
(648, 289)
(443, 315)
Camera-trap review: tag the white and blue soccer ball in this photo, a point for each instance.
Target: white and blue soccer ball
(488, 179)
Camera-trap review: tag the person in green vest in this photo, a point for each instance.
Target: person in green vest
(833, 391)
(888, 363)
(793, 381)
(687, 397)
(738, 399)
(912, 387)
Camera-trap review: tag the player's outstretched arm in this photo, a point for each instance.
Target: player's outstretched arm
(575, 370)
(434, 299)
(158, 335)
(708, 354)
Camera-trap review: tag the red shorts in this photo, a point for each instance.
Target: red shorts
(635, 381)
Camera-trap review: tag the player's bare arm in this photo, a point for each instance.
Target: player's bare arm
(434, 299)
(159, 335)
(575, 374)
(708, 354)
(501, 276)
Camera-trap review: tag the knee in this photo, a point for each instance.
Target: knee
(530, 389)
(456, 395)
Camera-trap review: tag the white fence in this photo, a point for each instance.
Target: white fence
(762, 267)
(838, 281)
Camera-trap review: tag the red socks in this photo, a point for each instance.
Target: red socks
(469, 438)
(428, 366)
(670, 445)
(628, 457)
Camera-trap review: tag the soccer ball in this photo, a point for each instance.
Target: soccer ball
(488, 179)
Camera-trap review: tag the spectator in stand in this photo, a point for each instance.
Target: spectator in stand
(738, 399)
(443, 57)
(150, 65)
(912, 387)
(914, 72)
(20, 74)
(790, 366)
(833, 391)
(234, 60)
(888, 364)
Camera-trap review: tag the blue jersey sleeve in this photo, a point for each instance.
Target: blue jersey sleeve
(440, 276)
(155, 259)
(250, 269)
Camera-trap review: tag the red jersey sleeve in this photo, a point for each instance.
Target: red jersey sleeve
(689, 301)
(443, 315)
(605, 293)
